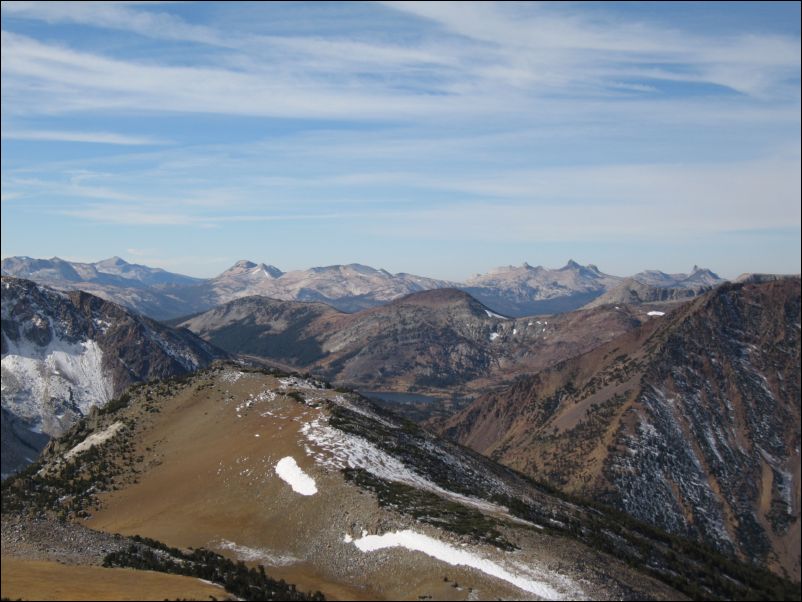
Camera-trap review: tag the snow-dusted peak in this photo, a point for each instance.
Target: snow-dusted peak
(703, 276)
(112, 261)
(240, 267)
(244, 264)
(270, 271)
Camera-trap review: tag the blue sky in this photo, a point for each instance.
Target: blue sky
(435, 138)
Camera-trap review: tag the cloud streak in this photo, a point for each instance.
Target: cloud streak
(88, 137)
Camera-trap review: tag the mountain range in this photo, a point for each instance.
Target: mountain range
(683, 414)
(514, 291)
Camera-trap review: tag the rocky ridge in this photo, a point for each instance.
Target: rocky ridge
(443, 342)
(690, 422)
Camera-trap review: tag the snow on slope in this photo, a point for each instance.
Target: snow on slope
(94, 439)
(289, 472)
(338, 450)
(66, 375)
(454, 556)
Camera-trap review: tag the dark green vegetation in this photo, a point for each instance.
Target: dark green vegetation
(431, 509)
(243, 582)
(288, 345)
(69, 489)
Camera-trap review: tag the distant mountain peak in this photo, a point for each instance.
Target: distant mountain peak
(271, 270)
(571, 265)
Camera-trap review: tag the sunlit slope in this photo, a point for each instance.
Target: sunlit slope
(333, 494)
(209, 479)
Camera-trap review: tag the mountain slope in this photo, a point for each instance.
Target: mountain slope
(698, 277)
(346, 287)
(653, 285)
(335, 495)
(63, 353)
(691, 422)
(632, 291)
(112, 271)
(140, 288)
(438, 341)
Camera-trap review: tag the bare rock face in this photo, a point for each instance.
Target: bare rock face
(691, 422)
(64, 353)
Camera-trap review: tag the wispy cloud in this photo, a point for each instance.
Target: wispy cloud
(553, 45)
(126, 16)
(494, 56)
(430, 121)
(89, 137)
(54, 79)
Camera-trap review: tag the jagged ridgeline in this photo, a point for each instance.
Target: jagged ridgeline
(511, 290)
(336, 495)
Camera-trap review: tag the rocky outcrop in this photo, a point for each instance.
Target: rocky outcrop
(632, 291)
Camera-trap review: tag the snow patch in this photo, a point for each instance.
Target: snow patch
(42, 381)
(341, 450)
(491, 314)
(494, 336)
(94, 439)
(298, 383)
(261, 555)
(340, 400)
(231, 376)
(288, 470)
(655, 313)
(417, 542)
